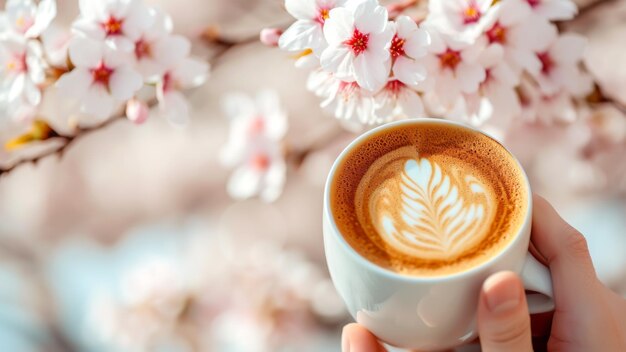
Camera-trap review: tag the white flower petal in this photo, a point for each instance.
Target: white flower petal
(75, 84)
(32, 93)
(301, 9)
(300, 36)
(46, 12)
(370, 17)
(86, 52)
(244, 183)
(89, 28)
(274, 181)
(411, 104)
(535, 34)
(138, 19)
(190, 73)
(171, 49)
(512, 12)
(370, 73)
(469, 77)
(97, 102)
(339, 61)
(236, 105)
(124, 82)
(405, 26)
(92, 10)
(568, 49)
(557, 10)
(417, 43)
(409, 71)
(339, 26)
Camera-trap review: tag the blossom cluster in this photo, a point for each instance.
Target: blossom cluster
(115, 48)
(476, 60)
(255, 145)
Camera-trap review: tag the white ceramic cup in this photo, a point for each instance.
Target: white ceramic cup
(424, 313)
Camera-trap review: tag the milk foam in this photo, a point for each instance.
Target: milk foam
(427, 208)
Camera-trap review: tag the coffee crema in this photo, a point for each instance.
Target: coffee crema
(428, 199)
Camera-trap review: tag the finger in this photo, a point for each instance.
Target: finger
(356, 338)
(565, 250)
(503, 319)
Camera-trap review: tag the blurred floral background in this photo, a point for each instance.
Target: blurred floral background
(136, 238)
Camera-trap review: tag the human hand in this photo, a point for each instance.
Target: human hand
(588, 315)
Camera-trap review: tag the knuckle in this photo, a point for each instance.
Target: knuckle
(515, 333)
(576, 244)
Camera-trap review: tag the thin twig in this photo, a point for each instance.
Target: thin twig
(224, 45)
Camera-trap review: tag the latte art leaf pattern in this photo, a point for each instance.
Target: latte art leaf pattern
(439, 213)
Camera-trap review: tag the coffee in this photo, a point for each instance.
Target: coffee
(428, 199)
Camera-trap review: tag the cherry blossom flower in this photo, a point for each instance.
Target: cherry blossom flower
(395, 101)
(513, 27)
(459, 16)
(25, 18)
(560, 66)
(358, 37)
(254, 147)
(118, 22)
(547, 109)
(307, 31)
(184, 74)
(496, 95)
(102, 79)
(408, 44)
(453, 67)
(347, 101)
(157, 50)
(553, 10)
(21, 71)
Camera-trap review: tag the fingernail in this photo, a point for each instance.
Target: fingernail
(345, 342)
(502, 295)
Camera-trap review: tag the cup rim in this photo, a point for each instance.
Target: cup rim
(409, 278)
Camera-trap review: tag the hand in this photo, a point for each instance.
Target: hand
(588, 315)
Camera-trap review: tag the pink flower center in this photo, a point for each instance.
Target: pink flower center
(168, 82)
(257, 125)
(397, 46)
(142, 49)
(394, 87)
(260, 162)
(450, 59)
(547, 64)
(322, 15)
(534, 3)
(17, 64)
(113, 26)
(497, 34)
(102, 75)
(471, 14)
(358, 42)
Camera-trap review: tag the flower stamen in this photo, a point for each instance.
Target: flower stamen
(323, 15)
(143, 49)
(113, 26)
(547, 64)
(102, 75)
(397, 47)
(358, 42)
(18, 64)
(450, 59)
(497, 34)
(471, 14)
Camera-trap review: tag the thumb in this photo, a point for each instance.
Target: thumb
(503, 319)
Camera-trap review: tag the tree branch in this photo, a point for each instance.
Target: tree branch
(224, 45)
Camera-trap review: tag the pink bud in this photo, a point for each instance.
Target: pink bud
(270, 36)
(137, 111)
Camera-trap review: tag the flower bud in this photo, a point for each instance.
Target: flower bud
(270, 36)
(137, 111)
